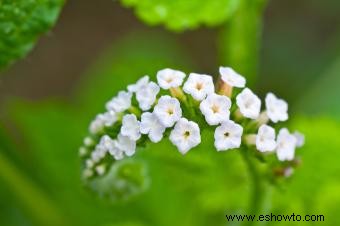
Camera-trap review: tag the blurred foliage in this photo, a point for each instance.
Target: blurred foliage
(323, 93)
(21, 24)
(181, 15)
(314, 189)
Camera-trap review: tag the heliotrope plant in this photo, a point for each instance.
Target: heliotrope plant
(179, 109)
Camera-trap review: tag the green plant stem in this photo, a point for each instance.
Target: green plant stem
(258, 186)
(239, 39)
(32, 199)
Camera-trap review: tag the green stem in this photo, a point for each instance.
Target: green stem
(258, 186)
(30, 197)
(240, 38)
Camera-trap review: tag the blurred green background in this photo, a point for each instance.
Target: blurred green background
(96, 48)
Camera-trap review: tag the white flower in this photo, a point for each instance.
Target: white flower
(97, 124)
(109, 118)
(126, 145)
(146, 95)
(130, 127)
(199, 86)
(215, 108)
(249, 104)
(105, 145)
(88, 141)
(228, 136)
(82, 151)
(168, 110)
(185, 135)
(89, 163)
(140, 83)
(229, 76)
(116, 151)
(265, 139)
(276, 108)
(100, 169)
(300, 139)
(120, 103)
(151, 125)
(105, 119)
(87, 173)
(169, 78)
(286, 144)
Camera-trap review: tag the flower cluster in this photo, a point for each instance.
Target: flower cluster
(180, 109)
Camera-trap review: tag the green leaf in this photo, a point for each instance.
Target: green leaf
(21, 24)
(181, 15)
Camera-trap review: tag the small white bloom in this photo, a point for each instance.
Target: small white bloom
(169, 78)
(228, 136)
(116, 152)
(215, 108)
(98, 154)
(109, 118)
(300, 139)
(97, 125)
(100, 169)
(126, 145)
(286, 144)
(265, 139)
(82, 151)
(105, 145)
(120, 103)
(185, 135)
(151, 125)
(140, 83)
(168, 110)
(130, 127)
(89, 163)
(88, 141)
(146, 95)
(87, 173)
(276, 108)
(229, 76)
(105, 119)
(199, 86)
(249, 104)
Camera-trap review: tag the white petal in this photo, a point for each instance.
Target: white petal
(120, 103)
(130, 127)
(199, 86)
(185, 135)
(169, 78)
(229, 76)
(265, 139)
(125, 144)
(141, 82)
(215, 108)
(277, 109)
(146, 95)
(151, 125)
(249, 104)
(168, 111)
(228, 136)
(286, 144)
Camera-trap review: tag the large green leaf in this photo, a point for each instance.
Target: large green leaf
(183, 14)
(21, 23)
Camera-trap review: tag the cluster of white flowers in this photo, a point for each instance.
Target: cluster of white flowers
(141, 114)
